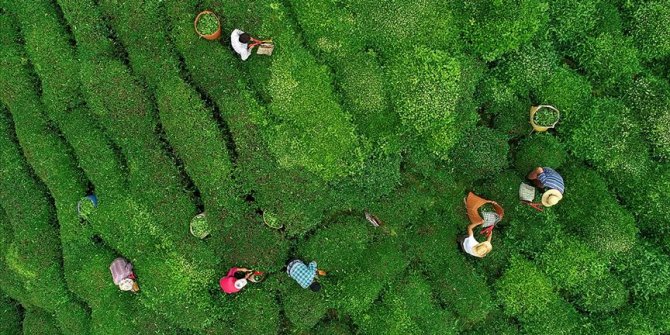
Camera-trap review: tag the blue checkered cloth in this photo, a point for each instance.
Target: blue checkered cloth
(302, 273)
(550, 179)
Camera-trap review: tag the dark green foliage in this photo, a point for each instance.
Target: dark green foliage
(9, 314)
(577, 269)
(570, 93)
(649, 97)
(609, 137)
(496, 27)
(408, 308)
(644, 270)
(527, 295)
(395, 107)
(39, 322)
(539, 150)
(601, 221)
(481, 153)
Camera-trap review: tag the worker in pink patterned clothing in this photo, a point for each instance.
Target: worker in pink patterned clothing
(123, 275)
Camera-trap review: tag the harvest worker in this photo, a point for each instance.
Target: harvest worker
(474, 247)
(551, 182)
(243, 43)
(123, 276)
(239, 40)
(235, 280)
(304, 274)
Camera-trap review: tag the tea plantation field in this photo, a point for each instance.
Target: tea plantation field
(397, 107)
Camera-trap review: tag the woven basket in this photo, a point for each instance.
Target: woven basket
(540, 128)
(203, 234)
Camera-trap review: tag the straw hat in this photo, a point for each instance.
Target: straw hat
(482, 249)
(551, 197)
(126, 284)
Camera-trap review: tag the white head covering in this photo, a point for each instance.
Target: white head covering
(126, 284)
(240, 283)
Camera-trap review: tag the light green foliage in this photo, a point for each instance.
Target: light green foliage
(425, 84)
(397, 107)
(650, 31)
(496, 27)
(609, 60)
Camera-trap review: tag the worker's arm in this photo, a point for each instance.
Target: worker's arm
(471, 227)
(533, 174)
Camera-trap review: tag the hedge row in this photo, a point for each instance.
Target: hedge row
(132, 244)
(188, 124)
(111, 91)
(9, 314)
(289, 194)
(293, 82)
(55, 63)
(35, 252)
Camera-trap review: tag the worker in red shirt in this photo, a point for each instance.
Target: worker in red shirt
(235, 280)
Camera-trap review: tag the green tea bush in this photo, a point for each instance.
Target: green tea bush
(362, 83)
(464, 290)
(426, 85)
(255, 312)
(496, 27)
(649, 32)
(55, 63)
(481, 153)
(407, 308)
(526, 294)
(525, 70)
(645, 199)
(391, 26)
(356, 291)
(649, 97)
(303, 308)
(643, 270)
(539, 150)
(609, 60)
(346, 236)
(610, 138)
(573, 20)
(570, 93)
(39, 322)
(9, 314)
(582, 273)
(601, 222)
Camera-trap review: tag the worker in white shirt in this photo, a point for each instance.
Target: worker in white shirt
(239, 40)
(475, 248)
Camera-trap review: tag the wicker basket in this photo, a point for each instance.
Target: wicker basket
(203, 234)
(540, 128)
